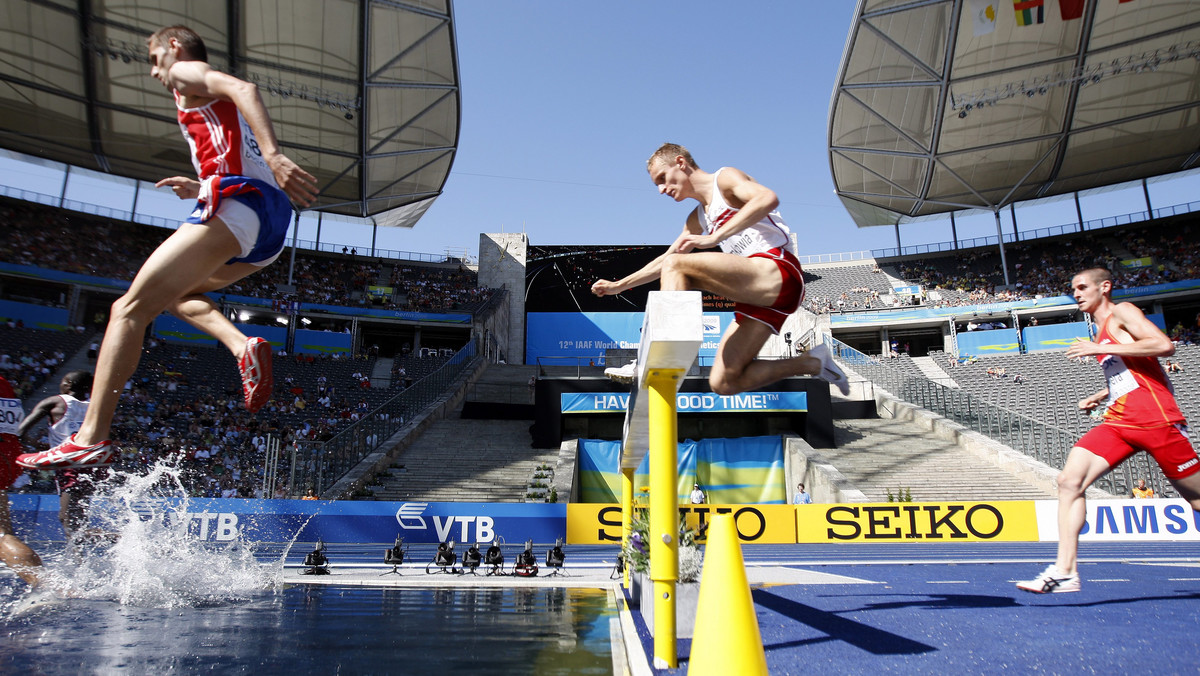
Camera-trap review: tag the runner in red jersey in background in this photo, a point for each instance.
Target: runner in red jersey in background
(238, 226)
(1141, 415)
(13, 552)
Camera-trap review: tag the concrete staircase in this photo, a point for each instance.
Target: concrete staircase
(882, 455)
(934, 372)
(470, 460)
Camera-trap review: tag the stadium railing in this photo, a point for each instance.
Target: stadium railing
(1052, 231)
(1046, 443)
(319, 464)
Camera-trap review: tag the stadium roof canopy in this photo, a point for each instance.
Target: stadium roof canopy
(364, 93)
(944, 105)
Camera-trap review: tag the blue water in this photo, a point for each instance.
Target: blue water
(153, 599)
(319, 630)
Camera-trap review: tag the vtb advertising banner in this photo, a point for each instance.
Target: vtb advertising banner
(598, 524)
(228, 519)
(1000, 521)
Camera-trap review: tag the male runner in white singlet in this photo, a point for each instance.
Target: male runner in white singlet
(755, 268)
(65, 412)
(238, 226)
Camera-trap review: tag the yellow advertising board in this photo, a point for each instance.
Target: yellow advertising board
(592, 523)
(999, 521)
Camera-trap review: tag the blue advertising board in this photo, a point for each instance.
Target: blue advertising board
(175, 330)
(586, 335)
(322, 342)
(1053, 336)
(691, 402)
(984, 343)
(224, 520)
(35, 316)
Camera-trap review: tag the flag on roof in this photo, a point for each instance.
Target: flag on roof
(1029, 12)
(1071, 9)
(984, 13)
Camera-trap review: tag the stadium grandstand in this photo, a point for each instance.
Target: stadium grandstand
(391, 369)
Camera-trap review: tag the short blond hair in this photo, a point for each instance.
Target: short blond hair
(667, 152)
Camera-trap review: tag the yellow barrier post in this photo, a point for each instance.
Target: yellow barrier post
(626, 515)
(664, 511)
(726, 640)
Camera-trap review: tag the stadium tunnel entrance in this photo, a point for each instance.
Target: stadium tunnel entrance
(917, 342)
(395, 340)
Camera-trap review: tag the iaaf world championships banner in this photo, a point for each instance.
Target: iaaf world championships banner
(586, 335)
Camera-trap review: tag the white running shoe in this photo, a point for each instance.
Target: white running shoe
(830, 372)
(624, 374)
(1051, 581)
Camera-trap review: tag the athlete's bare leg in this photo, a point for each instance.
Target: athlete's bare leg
(188, 258)
(736, 369)
(745, 280)
(201, 312)
(14, 553)
(1189, 489)
(1082, 469)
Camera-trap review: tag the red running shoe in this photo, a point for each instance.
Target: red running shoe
(68, 455)
(255, 365)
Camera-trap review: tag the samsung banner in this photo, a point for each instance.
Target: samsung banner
(1127, 519)
(586, 335)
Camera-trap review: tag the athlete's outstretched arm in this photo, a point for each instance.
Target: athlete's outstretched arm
(197, 78)
(652, 270)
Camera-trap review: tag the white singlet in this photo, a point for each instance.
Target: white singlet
(761, 237)
(69, 423)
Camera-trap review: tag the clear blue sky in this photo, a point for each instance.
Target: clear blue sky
(563, 101)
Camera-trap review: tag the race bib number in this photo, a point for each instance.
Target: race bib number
(1120, 379)
(11, 415)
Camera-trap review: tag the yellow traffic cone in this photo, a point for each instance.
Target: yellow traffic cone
(726, 639)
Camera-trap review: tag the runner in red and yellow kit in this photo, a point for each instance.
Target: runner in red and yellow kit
(1141, 415)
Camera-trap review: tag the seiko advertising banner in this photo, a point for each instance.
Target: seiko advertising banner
(691, 402)
(592, 524)
(1128, 519)
(225, 520)
(1000, 521)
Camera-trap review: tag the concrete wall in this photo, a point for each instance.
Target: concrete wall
(502, 258)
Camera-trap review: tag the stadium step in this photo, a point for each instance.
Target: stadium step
(879, 456)
(934, 372)
(464, 460)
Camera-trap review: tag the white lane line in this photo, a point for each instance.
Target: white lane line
(947, 582)
(1115, 579)
(1183, 579)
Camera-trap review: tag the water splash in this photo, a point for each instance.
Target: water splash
(143, 550)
